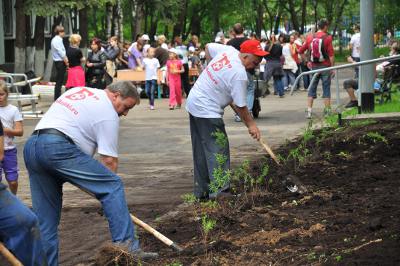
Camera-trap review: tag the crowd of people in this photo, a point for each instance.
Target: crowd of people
(63, 144)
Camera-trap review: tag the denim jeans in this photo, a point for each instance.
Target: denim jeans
(150, 87)
(250, 92)
(278, 85)
(19, 230)
(326, 84)
(52, 160)
(288, 78)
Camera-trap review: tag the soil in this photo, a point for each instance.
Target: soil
(349, 214)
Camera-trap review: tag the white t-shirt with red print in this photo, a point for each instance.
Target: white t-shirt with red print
(87, 116)
(223, 81)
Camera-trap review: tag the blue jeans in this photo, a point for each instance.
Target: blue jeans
(250, 92)
(278, 85)
(52, 160)
(19, 230)
(326, 84)
(150, 87)
(288, 78)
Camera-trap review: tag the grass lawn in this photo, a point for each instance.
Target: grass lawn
(389, 107)
(378, 51)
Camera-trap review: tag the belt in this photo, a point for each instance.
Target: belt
(52, 131)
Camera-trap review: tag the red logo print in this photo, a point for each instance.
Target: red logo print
(80, 95)
(220, 64)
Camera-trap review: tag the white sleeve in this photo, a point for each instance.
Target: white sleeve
(239, 92)
(352, 40)
(17, 115)
(215, 48)
(107, 137)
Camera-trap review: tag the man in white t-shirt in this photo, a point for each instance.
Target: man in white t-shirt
(223, 82)
(79, 123)
(354, 46)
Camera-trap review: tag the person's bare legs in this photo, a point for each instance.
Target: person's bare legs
(310, 102)
(352, 95)
(13, 186)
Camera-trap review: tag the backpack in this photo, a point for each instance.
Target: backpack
(318, 50)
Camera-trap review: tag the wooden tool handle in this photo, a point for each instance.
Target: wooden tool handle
(155, 233)
(9, 256)
(270, 152)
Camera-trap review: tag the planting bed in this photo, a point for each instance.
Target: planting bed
(350, 214)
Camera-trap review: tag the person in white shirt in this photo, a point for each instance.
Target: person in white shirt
(354, 46)
(82, 121)
(60, 59)
(223, 82)
(11, 119)
(151, 66)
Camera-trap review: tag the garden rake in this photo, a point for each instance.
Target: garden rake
(291, 181)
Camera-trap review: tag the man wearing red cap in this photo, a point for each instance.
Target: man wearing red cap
(223, 82)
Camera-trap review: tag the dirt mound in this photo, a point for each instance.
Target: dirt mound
(349, 214)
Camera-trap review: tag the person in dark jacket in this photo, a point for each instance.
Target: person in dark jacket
(95, 66)
(273, 67)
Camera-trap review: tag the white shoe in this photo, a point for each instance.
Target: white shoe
(237, 118)
(308, 114)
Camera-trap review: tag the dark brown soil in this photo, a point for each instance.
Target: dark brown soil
(350, 214)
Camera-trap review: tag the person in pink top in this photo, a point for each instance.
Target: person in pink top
(174, 70)
(322, 56)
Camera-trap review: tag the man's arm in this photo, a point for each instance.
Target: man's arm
(244, 114)
(109, 162)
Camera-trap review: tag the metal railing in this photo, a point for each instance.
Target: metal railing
(316, 72)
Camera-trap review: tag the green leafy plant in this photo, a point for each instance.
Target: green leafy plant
(189, 198)
(211, 204)
(376, 137)
(175, 263)
(207, 225)
(344, 155)
(222, 177)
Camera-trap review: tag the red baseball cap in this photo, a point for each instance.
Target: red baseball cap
(252, 47)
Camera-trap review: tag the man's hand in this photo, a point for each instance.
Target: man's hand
(109, 162)
(244, 114)
(255, 132)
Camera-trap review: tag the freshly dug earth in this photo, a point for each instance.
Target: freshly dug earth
(350, 214)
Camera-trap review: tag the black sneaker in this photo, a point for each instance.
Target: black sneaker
(351, 104)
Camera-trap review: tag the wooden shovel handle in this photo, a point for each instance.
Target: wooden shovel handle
(9, 256)
(270, 152)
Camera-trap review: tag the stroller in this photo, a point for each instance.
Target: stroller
(261, 89)
(383, 84)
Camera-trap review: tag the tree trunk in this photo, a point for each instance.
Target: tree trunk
(195, 21)
(83, 27)
(259, 19)
(120, 16)
(179, 26)
(30, 48)
(39, 46)
(20, 43)
(109, 16)
(94, 22)
(153, 26)
(215, 19)
(293, 15)
(303, 16)
(138, 18)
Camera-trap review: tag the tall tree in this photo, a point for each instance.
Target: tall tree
(20, 36)
(40, 56)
